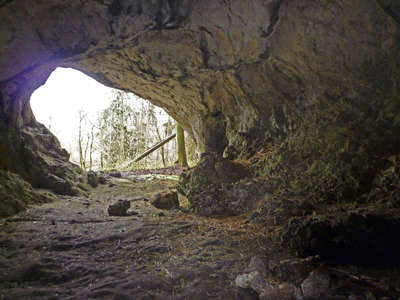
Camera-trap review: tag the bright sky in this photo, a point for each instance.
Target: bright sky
(67, 91)
(57, 103)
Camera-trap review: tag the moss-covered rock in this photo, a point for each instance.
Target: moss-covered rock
(217, 186)
(336, 150)
(16, 194)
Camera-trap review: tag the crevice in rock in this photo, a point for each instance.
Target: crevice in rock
(172, 13)
(205, 53)
(273, 19)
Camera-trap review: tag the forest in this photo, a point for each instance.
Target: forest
(124, 131)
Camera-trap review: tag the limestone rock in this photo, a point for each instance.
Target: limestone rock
(217, 186)
(347, 237)
(119, 208)
(243, 77)
(166, 200)
(256, 280)
(316, 286)
(102, 178)
(16, 194)
(92, 178)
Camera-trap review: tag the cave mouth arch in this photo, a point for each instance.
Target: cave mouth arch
(238, 82)
(79, 111)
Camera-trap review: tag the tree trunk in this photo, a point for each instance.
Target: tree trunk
(163, 157)
(91, 148)
(180, 137)
(81, 158)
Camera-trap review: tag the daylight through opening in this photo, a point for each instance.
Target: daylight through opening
(104, 128)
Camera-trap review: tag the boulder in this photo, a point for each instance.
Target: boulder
(92, 178)
(102, 178)
(119, 208)
(16, 194)
(166, 200)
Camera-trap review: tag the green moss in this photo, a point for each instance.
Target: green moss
(16, 194)
(337, 148)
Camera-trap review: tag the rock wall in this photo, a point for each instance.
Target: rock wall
(240, 76)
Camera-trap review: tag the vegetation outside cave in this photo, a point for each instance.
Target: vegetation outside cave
(107, 128)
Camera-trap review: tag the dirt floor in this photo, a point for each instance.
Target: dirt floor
(72, 249)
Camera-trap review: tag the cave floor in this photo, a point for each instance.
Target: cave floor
(72, 249)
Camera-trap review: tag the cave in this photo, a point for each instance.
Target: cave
(294, 105)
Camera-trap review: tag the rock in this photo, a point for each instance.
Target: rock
(316, 286)
(183, 201)
(293, 270)
(119, 208)
(256, 280)
(256, 276)
(165, 200)
(245, 281)
(346, 237)
(60, 185)
(308, 90)
(102, 179)
(92, 178)
(16, 194)
(217, 186)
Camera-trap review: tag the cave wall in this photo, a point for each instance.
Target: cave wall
(239, 75)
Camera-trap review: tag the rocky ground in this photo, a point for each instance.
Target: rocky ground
(73, 249)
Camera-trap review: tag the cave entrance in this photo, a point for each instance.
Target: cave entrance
(102, 128)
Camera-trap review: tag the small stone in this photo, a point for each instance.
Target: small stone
(161, 214)
(92, 178)
(166, 200)
(119, 208)
(102, 179)
(244, 280)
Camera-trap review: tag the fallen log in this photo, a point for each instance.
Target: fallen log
(151, 150)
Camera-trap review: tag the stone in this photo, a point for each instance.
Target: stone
(183, 201)
(346, 237)
(256, 279)
(245, 281)
(119, 208)
(16, 194)
(316, 286)
(102, 179)
(92, 178)
(166, 200)
(293, 270)
(217, 186)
